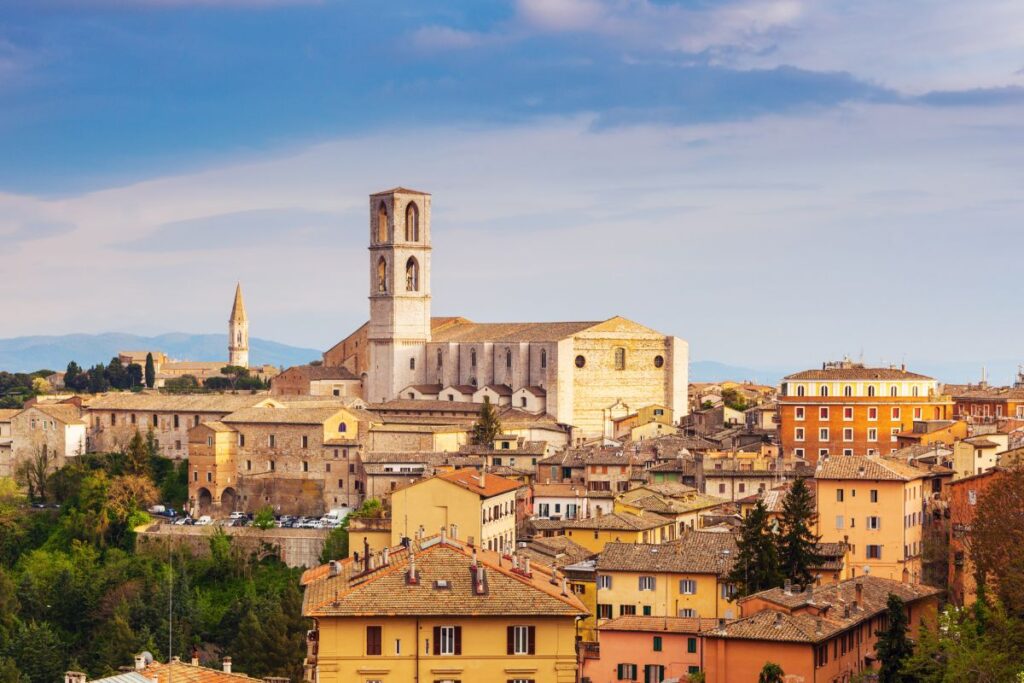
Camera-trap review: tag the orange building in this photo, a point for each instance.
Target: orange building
(982, 404)
(846, 408)
(634, 648)
(824, 633)
(963, 500)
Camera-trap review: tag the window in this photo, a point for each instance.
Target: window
(209, 441)
(508, 358)
(543, 359)
(654, 673)
(241, 439)
(839, 521)
(839, 495)
(687, 586)
(195, 421)
(580, 361)
(342, 427)
(800, 390)
(798, 434)
(872, 413)
(272, 440)
(131, 418)
(895, 413)
(412, 223)
(972, 497)
(447, 640)
(382, 223)
(798, 413)
(620, 358)
(873, 493)
(873, 434)
(626, 672)
(175, 419)
(412, 275)
(305, 466)
(847, 390)
(687, 612)
(209, 477)
(822, 413)
(873, 552)
(656, 645)
(472, 358)
(658, 361)
(847, 451)
(627, 610)
(305, 442)
(382, 276)
(373, 640)
(521, 640)
(721, 488)
(823, 391)
(604, 611)
(871, 390)
(798, 452)
(156, 420)
(742, 487)
(848, 414)
(874, 523)
(691, 645)
(646, 583)
(917, 413)
(848, 434)
(823, 434)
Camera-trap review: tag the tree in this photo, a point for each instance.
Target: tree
(74, 378)
(771, 673)
(487, 427)
(98, 382)
(757, 562)
(264, 518)
(893, 646)
(41, 386)
(336, 543)
(234, 373)
(182, 385)
(996, 541)
(117, 374)
(134, 376)
(34, 474)
(137, 455)
(150, 371)
(734, 399)
(798, 546)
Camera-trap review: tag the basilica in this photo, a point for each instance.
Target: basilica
(585, 374)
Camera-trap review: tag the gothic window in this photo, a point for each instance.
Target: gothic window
(543, 359)
(239, 337)
(620, 358)
(508, 358)
(412, 275)
(800, 390)
(412, 223)
(472, 358)
(382, 275)
(440, 360)
(382, 223)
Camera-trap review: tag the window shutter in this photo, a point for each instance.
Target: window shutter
(510, 641)
(458, 640)
(437, 640)
(618, 671)
(641, 580)
(531, 639)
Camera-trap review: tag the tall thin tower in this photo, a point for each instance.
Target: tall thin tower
(238, 332)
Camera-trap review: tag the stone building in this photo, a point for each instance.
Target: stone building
(317, 380)
(7, 441)
(56, 429)
(583, 373)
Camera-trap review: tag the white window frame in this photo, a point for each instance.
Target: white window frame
(848, 434)
(872, 414)
(874, 522)
(872, 433)
(848, 410)
(647, 583)
(604, 581)
(798, 434)
(822, 412)
(688, 586)
(823, 434)
(520, 640)
(799, 413)
(446, 646)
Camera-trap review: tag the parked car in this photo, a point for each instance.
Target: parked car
(237, 515)
(185, 521)
(205, 520)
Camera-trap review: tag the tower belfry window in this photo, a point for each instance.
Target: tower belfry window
(508, 358)
(412, 223)
(382, 223)
(412, 275)
(382, 275)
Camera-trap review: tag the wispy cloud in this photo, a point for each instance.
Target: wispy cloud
(447, 38)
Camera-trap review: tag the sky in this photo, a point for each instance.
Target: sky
(779, 182)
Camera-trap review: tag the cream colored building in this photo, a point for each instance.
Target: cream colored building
(55, 429)
(586, 374)
(7, 442)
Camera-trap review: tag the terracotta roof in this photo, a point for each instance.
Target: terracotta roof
(191, 403)
(802, 626)
(695, 552)
(499, 389)
(315, 373)
(67, 413)
(180, 672)
(469, 479)
(658, 624)
(991, 393)
(470, 332)
(385, 591)
(7, 413)
(427, 388)
(623, 521)
(557, 551)
(857, 372)
(536, 391)
(400, 190)
(559, 490)
(217, 426)
(867, 467)
(461, 388)
(287, 415)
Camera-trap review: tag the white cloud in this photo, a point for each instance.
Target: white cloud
(853, 226)
(446, 38)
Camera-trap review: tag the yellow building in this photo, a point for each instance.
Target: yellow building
(466, 503)
(684, 578)
(442, 611)
(594, 533)
(684, 508)
(876, 506)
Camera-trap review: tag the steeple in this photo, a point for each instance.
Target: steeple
(238, 332)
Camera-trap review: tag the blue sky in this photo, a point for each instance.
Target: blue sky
(778, 182)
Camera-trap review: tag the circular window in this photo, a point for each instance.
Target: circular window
(658, 361)
(580, 361)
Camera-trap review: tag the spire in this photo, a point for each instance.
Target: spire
(238, 309)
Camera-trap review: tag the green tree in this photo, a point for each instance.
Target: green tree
(487, 426)
(74, 378)
(117, 374)
(186, 384)
(798, 546)
(39, 653)
(893, 646)
(336, 543)
(137, 455)
(34, 473)
(135, 376)
(10, 673)
(150, 371)
(98, 382)
(264, 518)
(771, 673)
(757, 562)
(734, 399)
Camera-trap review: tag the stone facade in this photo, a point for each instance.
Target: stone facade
(54, 429)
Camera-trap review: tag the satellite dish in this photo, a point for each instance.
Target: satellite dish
(147, 657)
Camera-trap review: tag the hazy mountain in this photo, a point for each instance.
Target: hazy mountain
(25, 354)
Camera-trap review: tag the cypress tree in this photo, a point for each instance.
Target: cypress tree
(150, 371)
(798, 546)
(893, 646)
(487, 426)
(757, 563)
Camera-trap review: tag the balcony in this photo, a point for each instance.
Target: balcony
(590, 650)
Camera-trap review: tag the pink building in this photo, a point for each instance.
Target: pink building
(646, 650)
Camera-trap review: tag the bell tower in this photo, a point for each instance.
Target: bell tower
(238, 332)
(399, 326)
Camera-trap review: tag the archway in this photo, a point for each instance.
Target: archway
(412, 223)
(382, 223)
(205, 500)
(228, 500)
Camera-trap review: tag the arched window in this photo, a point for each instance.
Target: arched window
(800, 390)
(382, 223)
(508, 358)
(239, 337)
(412, 363)
(412, 223)
(382, 275)
(871, 390)
(823, 391)
(894, 391)
(620, 358)
(915, 391)
(412, 275)
(847, 390)
(472, 358)
(440, 359)
(342, 427)
(543, 359)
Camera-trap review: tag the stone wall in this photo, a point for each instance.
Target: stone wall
(296, 547)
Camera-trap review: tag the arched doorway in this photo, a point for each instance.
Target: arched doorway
(205, 501)
(228, 500)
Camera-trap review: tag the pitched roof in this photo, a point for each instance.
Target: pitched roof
(466, 331)
(469, 479)
(867, 467)
(558, 551)
(7, 413)
(622, 521)
(238, 307)
(855, 371)
(695, 552)
(292, 414)
(562, 489)
(658, 624)
(191, 403)
(180, 672)
(385, 591)
(67, 413)
(400, 190)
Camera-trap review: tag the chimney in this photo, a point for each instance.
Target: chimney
(195, 657)
(482, 479)
(469, 541)
(74, 677)
(787, 587)
(385, 555)
(444, 535)
(526, 565)
(858, 592)
(227, 665)
(481, 576)
(817, 625)
(565, 585)
(515, 563)
(140, 662)
(175, 659)
(410, 576)
(366, 554)
(335, 568)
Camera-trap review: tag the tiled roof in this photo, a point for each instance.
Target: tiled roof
(180, 672)
(695, 552)
(316, 373)
(991, 393)
(470, 332)
(287, 415)
(7, 413)
(385, 591)
(427, 388)
(622, 521)
(867, 467)
(559, 490)
(400, 190)
(499, 389)
(658, 624)
(801, 626)
(193, 403)
(540, 392)
(558, 551)
(469, 479)
(834, 554)
(66, 413)
(857, 372)
(462, 388)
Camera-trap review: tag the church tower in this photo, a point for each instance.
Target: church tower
(238, 332)
(399, 326)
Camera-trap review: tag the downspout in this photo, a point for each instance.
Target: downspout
(416, 646)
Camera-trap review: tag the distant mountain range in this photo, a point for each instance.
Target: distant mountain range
(26, 354)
